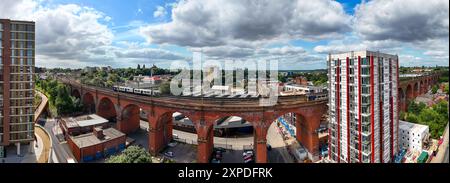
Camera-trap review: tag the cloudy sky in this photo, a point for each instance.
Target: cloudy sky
(298, 33)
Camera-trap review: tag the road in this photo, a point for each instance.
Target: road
(45, 154)
(236, 143)
(442, 155)
(59, 151)
(279, 153)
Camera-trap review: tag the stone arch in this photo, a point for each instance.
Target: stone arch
(312, 117)
(107, 109)
(165, 123)
(129, 119)
(205, 129)
(291, 119)
(88, 101)
(409, 93)
(416, 89)
(401, 100)
(422, 87)
(161, 129)
(76, 93)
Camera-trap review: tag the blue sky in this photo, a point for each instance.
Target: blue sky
(297, 33)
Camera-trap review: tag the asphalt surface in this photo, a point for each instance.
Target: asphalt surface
(442, 155)
(58, 150)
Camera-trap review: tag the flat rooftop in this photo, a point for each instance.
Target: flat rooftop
(90, 139)
(85, 120)
(412, 127)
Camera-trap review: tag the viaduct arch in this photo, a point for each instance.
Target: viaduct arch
(124, 110)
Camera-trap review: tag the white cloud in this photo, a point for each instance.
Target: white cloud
(75, 36)
(17, 9)
(78, 35)
(199, 23)
(355, 43)
(160, 12)
(147, 53)
(414, 20)
(397, 27)
(288, 57)
(69, 31)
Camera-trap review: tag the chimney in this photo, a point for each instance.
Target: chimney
(98, 132)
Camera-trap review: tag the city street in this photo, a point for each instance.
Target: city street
(279, 153)
(237, 143)
(59, 151)
(185, 153)
(442, 155)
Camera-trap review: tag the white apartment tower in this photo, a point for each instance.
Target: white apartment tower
(363, 110)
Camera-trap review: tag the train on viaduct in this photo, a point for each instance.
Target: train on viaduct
(203, 112)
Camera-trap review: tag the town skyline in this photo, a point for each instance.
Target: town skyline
(79, 33)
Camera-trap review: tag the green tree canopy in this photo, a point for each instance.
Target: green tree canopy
(164, 88)
(434, 89)
(412, 118)
(416, 108)
(132, 154)
(435, 117)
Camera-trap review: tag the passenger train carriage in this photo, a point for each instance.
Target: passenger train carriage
(138, 91)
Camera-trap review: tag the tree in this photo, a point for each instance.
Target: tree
(434, 89)
(164, 88)
(282, 78)
(441, 108)
(412, 118)
(402, 115)
(415, 108)
(446, 89)
(132, 154)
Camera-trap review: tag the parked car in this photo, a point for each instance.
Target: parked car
(215, 160)
(248, 159)
(70, 160)
(302, 153)
(218, 155)
(169, 154)
(249, 152)
(173, 144)
(175, 136)
(221, 149)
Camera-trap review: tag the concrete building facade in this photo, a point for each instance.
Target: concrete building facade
(413, 136)
(363, 110)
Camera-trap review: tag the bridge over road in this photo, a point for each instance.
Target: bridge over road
(125, 108)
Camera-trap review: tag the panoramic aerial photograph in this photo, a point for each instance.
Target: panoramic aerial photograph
(224, 82)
